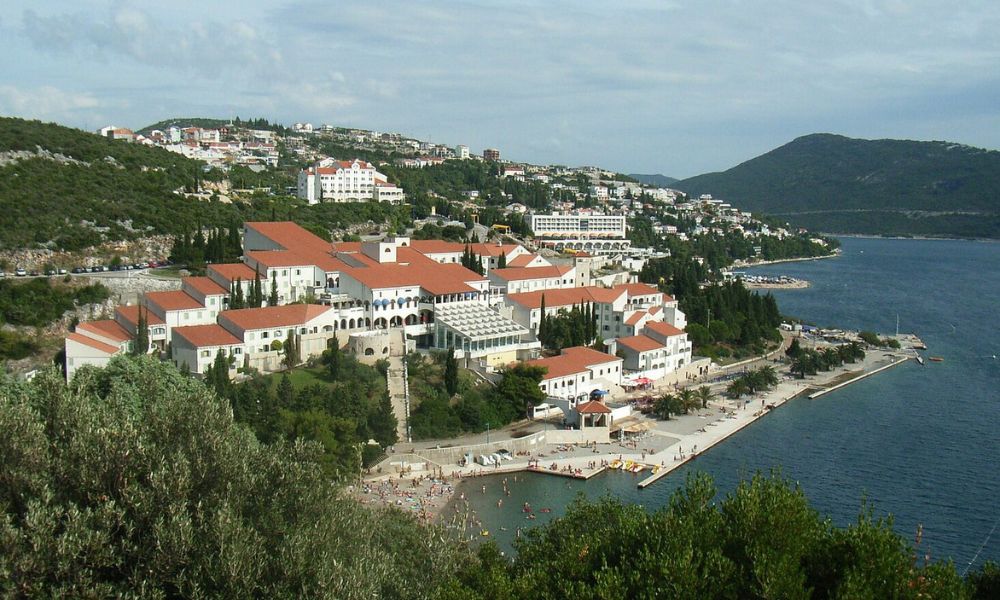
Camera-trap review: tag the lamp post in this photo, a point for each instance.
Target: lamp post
(487, 433)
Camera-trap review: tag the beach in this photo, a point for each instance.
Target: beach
(435, 492)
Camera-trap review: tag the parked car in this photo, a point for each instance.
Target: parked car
(20, 272)
(61, 271)
(95, 269)
(50, 272)
(79, 269)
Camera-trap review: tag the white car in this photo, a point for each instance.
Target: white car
(20, 272)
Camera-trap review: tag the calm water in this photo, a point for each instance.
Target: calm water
(918, 442)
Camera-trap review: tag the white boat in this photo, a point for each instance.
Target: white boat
(920, 359)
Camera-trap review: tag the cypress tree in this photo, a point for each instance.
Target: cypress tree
(291, 350)
(272, 299)
(236, 299)
(502, 261)
(543, 329)
(257, 293)
(451, 373)
(141, 343)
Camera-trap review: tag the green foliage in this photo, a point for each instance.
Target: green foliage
(762, 541)
(896, 187)
(38, 302)
(135, 481)
(14, 346)
(451, 373)
(568, 328)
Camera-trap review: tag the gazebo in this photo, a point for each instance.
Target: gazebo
(593, 414)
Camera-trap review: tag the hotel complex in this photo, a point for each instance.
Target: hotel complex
(394, 293)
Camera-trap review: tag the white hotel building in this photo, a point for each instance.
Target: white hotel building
(346, 181)
(592, 233)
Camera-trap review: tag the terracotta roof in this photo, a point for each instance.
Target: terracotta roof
(636, 317)
(564, 297)
(521, 260)
(439, 279)
(436, 246)
(523, 273)
(664, 329)
(279, 258)
(273, 316)
(593, 407)
(107, 328)
(640, 343)
(493, 249)
(173, 300)
(91, 342)
(130, 314)
(233, 271)
(639, 289)
(206, 335)
(205, 286)
(571, 361)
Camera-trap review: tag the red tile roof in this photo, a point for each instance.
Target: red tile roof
(564, 297)
(200, 336)
(106, 328)
(664, 329)
(279, 258)
(521, 260)
(493, 249)
(173, 300)
(91, 342)
(572, 361)
(130, 314)
(593, 407)
(273, 316)
(436, 246)
(641, 289)
(524, 273)
(640, 343)
(438, 279)
(233, 271)
(205, 286)
(636, 317)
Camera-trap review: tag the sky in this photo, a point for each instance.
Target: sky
(673, 87)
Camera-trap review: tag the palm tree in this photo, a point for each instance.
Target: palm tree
(831, 358)
(688, 400)
(704, 394)
(738, 387)
(664, 406)
(768, 376)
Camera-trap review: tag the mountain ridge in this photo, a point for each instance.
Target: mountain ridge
(838, 184)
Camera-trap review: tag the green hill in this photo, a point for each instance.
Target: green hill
(184, 122)
(654, 179)
(67, 189)
(887, 187)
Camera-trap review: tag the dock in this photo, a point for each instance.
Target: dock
(898, 361)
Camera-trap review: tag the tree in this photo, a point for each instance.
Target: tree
(737, 389)
(236, 300)
(519, 387)
(256, 298)
(688, 400)
(291, 349)
(451, 373)
(543, 329)
(794, 349)
(502, 261)
(667, 405)
(285, 392)
(169, 497)
(332, 358)
(272, 299)
(704, 394)
(140, 345)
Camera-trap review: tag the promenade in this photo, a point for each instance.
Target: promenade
(664, 447)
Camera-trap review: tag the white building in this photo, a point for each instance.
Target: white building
(462, 152)
(578, 226)
(578, 371)
(346, 181)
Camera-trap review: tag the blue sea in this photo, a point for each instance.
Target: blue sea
(921, 443)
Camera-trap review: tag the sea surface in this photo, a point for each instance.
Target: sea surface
(921, 443)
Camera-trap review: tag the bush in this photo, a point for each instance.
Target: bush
(276, 345)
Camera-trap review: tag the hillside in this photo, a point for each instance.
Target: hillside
(654, 179)
(891, 187)
(66, 189)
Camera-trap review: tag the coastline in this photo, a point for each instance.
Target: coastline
(798, 284)
(764, 263)
(436, 493)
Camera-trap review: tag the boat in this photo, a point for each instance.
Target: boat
(936, 359)
(920, 359)
(546, 510)
(615, 464)
(485, 533)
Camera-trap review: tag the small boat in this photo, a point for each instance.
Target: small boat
(485, 533)
(546, 510)
(920, 360)
(615, 464)
(936, 359)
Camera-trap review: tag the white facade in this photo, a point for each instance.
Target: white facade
(593, 226)
(345, 181)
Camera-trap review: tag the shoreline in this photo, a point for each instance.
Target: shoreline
(434, 492)
(798, 284)
(763, 263)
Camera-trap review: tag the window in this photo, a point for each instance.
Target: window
(187, 316)
(237, 350)
(211, 301)
(298, 271)
(284, 272)
(263, 335)
(278, 333)
(206, 353)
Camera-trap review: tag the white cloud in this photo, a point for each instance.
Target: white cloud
(46, 102)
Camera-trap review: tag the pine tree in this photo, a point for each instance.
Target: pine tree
(286, 393)
(272, 299)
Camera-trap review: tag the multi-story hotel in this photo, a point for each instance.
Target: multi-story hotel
(346, 181)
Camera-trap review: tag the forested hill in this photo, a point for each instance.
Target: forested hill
(838, 184)
(654, 179)
(67, 189)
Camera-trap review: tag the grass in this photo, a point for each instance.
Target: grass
(302, 377)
